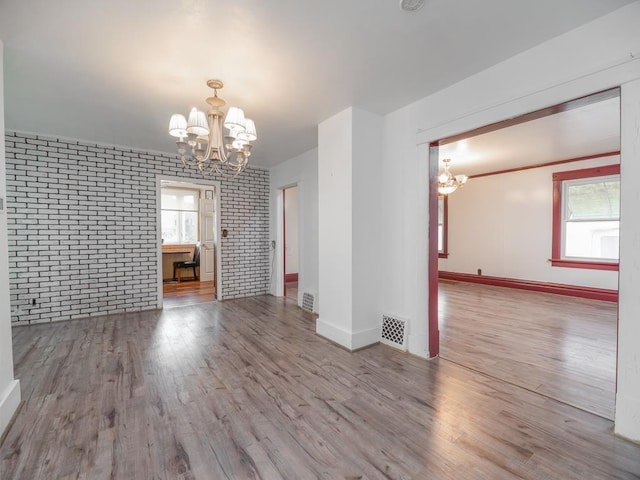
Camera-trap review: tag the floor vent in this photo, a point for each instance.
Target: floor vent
(394, 332)
(308, 302)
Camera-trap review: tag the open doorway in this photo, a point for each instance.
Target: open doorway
(521, 296)
(290, 244)
(188, 242)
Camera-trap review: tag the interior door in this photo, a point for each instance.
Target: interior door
(207, 239)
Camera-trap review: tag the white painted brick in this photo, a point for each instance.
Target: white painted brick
(82, 227)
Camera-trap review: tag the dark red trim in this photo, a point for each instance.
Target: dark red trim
(543, 112)
(434, 332)
(556, 288)
(591, 265)
(613, 169)
(556, 234)
(547, 164)
(290, 277)
(445, 227)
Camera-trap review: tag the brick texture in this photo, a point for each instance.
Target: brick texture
(82, 228)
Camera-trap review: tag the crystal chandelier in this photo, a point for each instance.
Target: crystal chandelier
(202, 144)
(448, 183)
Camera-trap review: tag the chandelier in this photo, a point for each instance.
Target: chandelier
(202, 143)
(448, 183)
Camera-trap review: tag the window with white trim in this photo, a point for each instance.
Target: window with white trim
(179, 215)
(587, 217)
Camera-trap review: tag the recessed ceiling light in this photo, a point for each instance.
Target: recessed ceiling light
(411, 5)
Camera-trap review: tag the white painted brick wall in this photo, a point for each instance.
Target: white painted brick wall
(82, 228)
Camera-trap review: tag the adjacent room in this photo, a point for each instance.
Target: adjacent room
(189, 237)
(528, 251)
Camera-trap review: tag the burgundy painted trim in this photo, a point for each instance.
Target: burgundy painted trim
(556, 288)
(613, 169)
(559, 262)
(543, 112)
(547, 164)
(434, 332)
(556, 226)
(290, 277)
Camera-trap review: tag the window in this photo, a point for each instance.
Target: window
(179, 215)
(586, 218)
(443, 230)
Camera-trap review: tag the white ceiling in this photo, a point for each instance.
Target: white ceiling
(115, 71)
(588, 130)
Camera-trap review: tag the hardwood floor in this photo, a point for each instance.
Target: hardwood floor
(559, 346)
(291, 289)
(244, 389)
(187, 293)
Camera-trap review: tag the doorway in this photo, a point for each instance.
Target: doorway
(499, 313)
(188, 246)
(290, 252)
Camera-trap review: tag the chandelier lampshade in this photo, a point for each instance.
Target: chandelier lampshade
(178, 125)
(197, 124)
(447, 183)
(202, 142)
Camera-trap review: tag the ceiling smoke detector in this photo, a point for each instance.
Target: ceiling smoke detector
(411, 5)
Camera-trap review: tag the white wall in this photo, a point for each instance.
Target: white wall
(9, 388)
(502, 224)
(303, 172)
(335, 228)
(367, 241)
(349, 182)
(291, 229)
(594, 57)
(628, 394)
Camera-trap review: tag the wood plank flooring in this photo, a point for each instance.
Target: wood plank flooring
(244, 389)
(559, 346)
(187, 293)
(291, 290)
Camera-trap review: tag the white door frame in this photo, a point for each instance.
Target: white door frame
(195, 181)
(277, 287)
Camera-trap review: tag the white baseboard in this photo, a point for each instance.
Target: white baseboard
(349, 340)
(627, 423)
(9, 402)
(364, 338)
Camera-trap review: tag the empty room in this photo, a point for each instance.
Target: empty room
(230, 247)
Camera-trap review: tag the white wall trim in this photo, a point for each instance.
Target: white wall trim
(332, 332)
(364, 338)
(277, 264)
(349, 340)
(277, 278)
(204, 182)
(9, 402)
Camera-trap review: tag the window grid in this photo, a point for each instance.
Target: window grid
(601, 226)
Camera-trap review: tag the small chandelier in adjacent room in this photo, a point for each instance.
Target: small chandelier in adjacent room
(202, 143)
(448, 183)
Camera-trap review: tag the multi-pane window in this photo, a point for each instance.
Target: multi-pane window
(179, 215)
(587, 217)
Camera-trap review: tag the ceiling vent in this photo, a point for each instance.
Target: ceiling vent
(411, 5)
